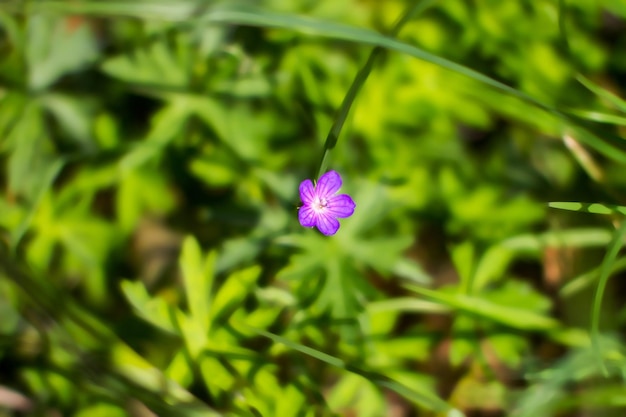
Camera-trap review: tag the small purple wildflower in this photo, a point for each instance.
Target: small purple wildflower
(320, 207)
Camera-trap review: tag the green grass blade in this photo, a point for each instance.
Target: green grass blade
(512, 317)
(609, 145)
(571, 238)
(605, 272)
(427, 399)
(314, 353)
(407, 305)
(183, 12)
(171, 11)
(595, 208)
(601, 92)
(599, 117)
(582, 281)
(250, 16)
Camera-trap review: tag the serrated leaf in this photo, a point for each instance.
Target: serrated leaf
(153, 310)
(152, 65)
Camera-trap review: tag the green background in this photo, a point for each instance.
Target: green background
(151, 258)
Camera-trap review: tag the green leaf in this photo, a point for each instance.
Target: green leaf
(244, 15)
(166, 125)
(55, 49)
(151, 65)
(513, 317)
(492, 266)
(234, 290)
(154, 310)
(411, 270)
(464, 342)
(198, 282)
(179, 370)
(47, 181)
(141, 191)
(73, 115)
(463, 257)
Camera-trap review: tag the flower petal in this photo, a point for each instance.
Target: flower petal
(328, 184)
(307, 216)
(340, 206)
(327, 224)
(307, 193)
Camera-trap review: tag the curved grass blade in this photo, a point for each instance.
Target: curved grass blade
(426, 399)
(252, 16)
(599, 117)
(608, 144)
(595, 208)
(606, 268)
(601, 92)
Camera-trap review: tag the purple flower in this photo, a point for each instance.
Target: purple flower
(320, 207)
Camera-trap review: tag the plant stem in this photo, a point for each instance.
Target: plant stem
(359, 80)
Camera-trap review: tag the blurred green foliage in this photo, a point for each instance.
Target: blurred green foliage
(151, 259)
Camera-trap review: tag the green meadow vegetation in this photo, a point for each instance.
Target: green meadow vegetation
(152, 257)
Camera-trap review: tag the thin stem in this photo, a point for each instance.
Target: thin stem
(359, 80)
(605, 273)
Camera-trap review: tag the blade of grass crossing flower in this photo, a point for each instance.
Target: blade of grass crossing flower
(595, 208)
(357, 84)
(605, 272)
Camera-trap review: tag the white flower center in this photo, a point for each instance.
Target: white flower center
(320, 204)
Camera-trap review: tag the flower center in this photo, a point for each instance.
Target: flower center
(319, 204)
